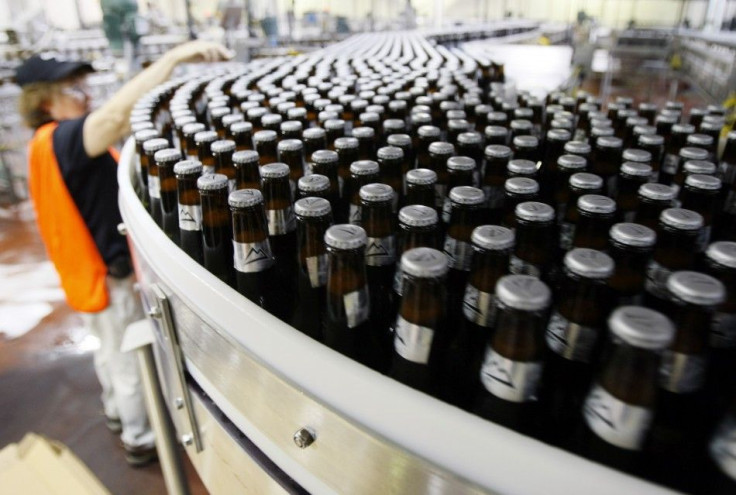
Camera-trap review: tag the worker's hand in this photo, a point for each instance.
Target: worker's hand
(200, 51)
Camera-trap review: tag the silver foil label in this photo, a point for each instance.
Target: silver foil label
(613, 420)
(514, 381)
(354, 215)
(356, 306)
(413, 342)
(494, 196)
(723, 446)
(398, 279)
(232, 185)
(656, 281)
(570, 340)
(190, 217)
(446, 209)
(669, 165)
(317, 270)
(208, 169)
(252, 257)
(154, 186)
(723, 330)
(518, 266)
(479, 307)
(280, 222)
(682, 373)
(567, 234)
(460, 253)
(380, 251)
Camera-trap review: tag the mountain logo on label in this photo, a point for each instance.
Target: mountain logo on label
(597, 407)
(376, 249)
(498, 373)
(256, 254)
(185, 216)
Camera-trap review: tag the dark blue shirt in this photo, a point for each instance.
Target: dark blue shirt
(93, 185)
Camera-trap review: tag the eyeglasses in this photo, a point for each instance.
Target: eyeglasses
(78, 91)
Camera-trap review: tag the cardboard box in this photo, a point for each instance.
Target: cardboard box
(41, 466)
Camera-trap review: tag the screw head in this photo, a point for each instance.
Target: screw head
(154, 312)
(179, 402)
(303, 438)
(187, 439)
(122, 229)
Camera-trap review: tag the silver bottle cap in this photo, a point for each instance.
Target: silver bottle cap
(228, 120)
(421, 176)
(492, 237)
(584, 180)
(363, 132)
(701, 181)
(212, 182)
(345, 143)
(523, 292)
(526, 141)
(702, 140)
(428, 131)
(609, 142)
(188, 167)
(146, 134)
(334, 124)
(642, 130)
(602, 132)
(291, 126)
(424, 262)
(469, 138)
(205, 137)
(265, 136)
(271, 119)
(345, 236)
(522, 167)
(498, 151)
(636, 169)
(418, 216)
(692, 153)
(256, 112)
(683, 129)
(657, 192)
(633, 234)
(193, 128)
(723, 253)
(642, 327)
(651, 139)
(390, 153)
(245, 198)
(369, 117)
(521, 185)
(314, 133)
(577, 148)
(520, 124)
(167, 155)
(534, 211)
(466, 195)
(441, 148)
(393, 125)
(239, 127)
(696, 288)
(313, 183)
(290, 145)
(571, 162)
(364, 167)
(589, 263)
(492, 131)
(223, 146)
(312, 207)
(681, 218)
(558, 135)
(325, 156)
(245, 157)
(275, 170)
(460, 163)
(636, 155)
(155, 144)
(376, 192)
(699, 167)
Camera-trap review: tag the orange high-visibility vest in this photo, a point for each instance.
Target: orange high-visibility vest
(68, 242)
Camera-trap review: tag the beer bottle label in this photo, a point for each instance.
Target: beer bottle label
(355, 214)
(208, 169)
(154, 186)
(380, 251)
(723, 446)
(682, 373)
(567, 234)
(459, 253)
(232, 185)
(570, 340)
(251, 257)
(723, 330)
(613, 420)
(190, 217)
(317, 270)
(494, 196)
(412, 342)
(518, 266)
(669, 165)
(280, 222)
(440, 193)
(479, 307)
(514, 381)
(446, 209)
(356, 306)
(398, 279)
(656, 281)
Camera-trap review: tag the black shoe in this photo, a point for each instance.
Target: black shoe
(140, 456)
(113, 424)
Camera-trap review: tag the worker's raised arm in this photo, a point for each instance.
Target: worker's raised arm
(109, 123)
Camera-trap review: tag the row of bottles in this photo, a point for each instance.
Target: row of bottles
(562, 271)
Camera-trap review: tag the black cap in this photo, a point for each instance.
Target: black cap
(49, 67)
